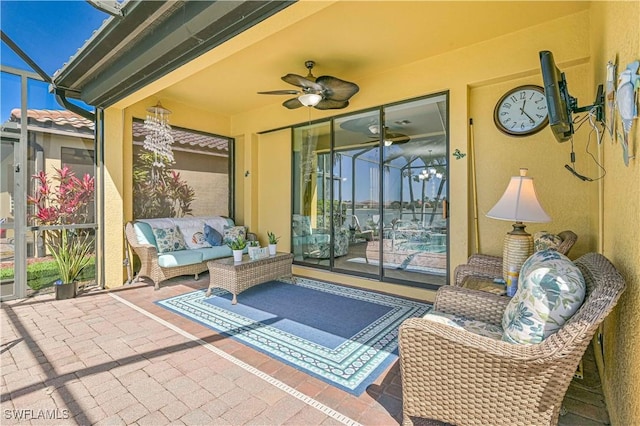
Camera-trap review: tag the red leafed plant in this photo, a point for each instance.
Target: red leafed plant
(65, 200)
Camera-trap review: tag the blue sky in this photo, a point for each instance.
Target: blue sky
(50, 32)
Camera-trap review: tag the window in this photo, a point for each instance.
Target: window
(198, 182)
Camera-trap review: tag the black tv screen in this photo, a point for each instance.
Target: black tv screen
(558, 98)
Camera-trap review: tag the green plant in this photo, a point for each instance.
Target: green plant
(68, 202)
(272, 238)
(238, 244)
(158, 190)
(254, 244)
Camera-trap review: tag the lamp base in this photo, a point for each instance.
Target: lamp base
(518, 246)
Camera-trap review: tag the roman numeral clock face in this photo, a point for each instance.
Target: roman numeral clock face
(522, 111)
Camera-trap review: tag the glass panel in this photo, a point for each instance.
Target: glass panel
(378, 193)
(195, 182)
(357, 179)
(61, 189)
(414, 242)
(10, 88)
(312, 198)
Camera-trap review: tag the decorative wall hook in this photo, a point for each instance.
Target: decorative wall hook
(459, 155)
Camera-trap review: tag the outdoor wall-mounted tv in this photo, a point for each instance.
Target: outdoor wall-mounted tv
(560, 104)
(558, 99)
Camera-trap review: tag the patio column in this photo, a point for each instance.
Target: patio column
(112, 212)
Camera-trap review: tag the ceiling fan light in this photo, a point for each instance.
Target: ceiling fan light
(374, 128)
(310, 99)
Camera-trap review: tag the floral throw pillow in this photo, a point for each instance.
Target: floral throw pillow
(550, 290)
(543, 240)
(231, 233)
(169, 239)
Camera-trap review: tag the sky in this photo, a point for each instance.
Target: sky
(50, 32)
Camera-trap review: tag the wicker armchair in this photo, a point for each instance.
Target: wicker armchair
(455, 376)
(490, 267)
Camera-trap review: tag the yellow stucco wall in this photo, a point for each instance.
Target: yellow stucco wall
(615, 34)
(498, 157)
(114, 207)
(475, 77)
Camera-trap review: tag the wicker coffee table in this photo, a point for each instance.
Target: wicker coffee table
(236, 277)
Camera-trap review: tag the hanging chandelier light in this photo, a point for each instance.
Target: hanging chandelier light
(158, 138)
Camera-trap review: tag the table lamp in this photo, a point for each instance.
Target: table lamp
(520, 204)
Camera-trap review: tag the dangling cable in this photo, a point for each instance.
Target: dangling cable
(572, 167)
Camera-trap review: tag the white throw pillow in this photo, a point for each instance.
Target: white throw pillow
(550, 290)
(194, 236)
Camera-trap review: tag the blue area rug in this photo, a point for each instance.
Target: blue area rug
(344, 336)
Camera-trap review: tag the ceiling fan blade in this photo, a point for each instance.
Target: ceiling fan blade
(280, 92)
(332, 104)
(300, 81)
(337, 89)
(361, 125)
(292, 103)
(397, 138)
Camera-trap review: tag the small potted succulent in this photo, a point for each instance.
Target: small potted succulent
(273, 241)
(238, 245)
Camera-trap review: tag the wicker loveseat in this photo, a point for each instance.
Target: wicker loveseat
(192, 260)
(456, 376)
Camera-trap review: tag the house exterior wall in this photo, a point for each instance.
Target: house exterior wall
(604, 214)
(615, 34)
(475, 77)
(52, 144)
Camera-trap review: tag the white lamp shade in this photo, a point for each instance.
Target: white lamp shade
(310, 99)
(519, 202)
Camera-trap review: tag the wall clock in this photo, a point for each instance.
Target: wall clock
(522, 111)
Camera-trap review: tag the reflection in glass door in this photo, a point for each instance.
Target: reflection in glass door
(414, 237)
(376, 199)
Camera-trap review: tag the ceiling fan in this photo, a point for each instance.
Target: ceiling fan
(373, 131)
(324, 92)
(371, 128)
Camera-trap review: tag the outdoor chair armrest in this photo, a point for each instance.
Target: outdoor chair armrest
(472, 304)
(420, 334)
(480, 271)
(485, 260)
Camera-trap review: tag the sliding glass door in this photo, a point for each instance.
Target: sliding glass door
(370, 193)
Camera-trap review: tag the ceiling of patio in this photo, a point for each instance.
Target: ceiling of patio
(352, 40)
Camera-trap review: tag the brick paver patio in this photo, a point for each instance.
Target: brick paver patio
(97, 360)
(115, 358)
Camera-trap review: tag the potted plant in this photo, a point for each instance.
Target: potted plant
(67, 202)
(238, 245)
(273, 241)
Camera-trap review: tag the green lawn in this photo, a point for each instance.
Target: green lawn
(43, 274)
